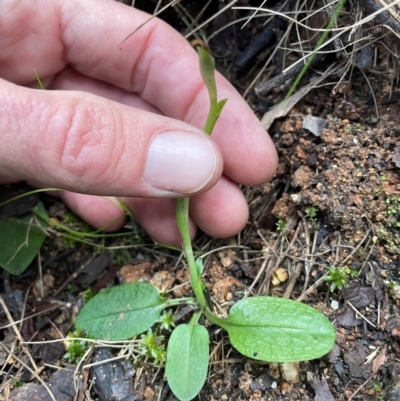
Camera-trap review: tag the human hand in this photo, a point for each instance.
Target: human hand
(121, 120)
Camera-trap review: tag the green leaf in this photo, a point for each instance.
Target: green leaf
(187, 360)
(207, 67)
(200, 267)
(20, 241)
(278, 330)
(121, 312)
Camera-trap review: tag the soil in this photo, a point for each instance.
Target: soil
(334, 202)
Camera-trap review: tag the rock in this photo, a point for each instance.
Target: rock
(163, 281)
(279, 276)
(148, 393)
(290, 371)
(61, 385)
(43, 286)
(302, 176)
(321, 388)
(185, 290)
(396, 155)
(112, 379)
(224, 286)
(334, 304)
(227, 257)
(132, 273)
(314, 124)
(262, 382)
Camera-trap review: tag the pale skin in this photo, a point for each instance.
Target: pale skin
(90, 133)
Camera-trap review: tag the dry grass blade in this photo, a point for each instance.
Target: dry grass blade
(282, 110)
(17, 332)
(33, 372)
(157, 13)
(228, 6)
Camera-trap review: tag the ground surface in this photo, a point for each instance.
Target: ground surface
(335, 202)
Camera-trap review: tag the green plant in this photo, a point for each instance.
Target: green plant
(76, 347)
(167, 321)
(311, 214)
(393, 211)
(264, 328)
(20, 240)
(379, 392)
(353, 127)
(16, 383)
(280, 226)
(152, 344)
(21, 237)
(87, 295)
(390, 238)
(338, 276)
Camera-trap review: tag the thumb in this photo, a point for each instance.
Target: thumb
(85, 143)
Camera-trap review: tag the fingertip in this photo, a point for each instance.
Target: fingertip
(182, 162)
(271, 161)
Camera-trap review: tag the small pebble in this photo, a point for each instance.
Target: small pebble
(290, 371)
(334, 304)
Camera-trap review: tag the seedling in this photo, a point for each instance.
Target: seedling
(152, 344)
(339, 276)
(311, 212)
(280, 226)
(264, 328)
(393, 211)
(76, 349)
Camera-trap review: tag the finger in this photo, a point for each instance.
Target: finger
(69, 79)
(100, 212)
(89, 144)
(157, 218)
(170, 80)
(222, 211)
(72, 80)
(156, 62)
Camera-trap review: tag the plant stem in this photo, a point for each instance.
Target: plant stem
(195, 318)
(207, 67)
(180, 301)
(182, 219)
(213, 318)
